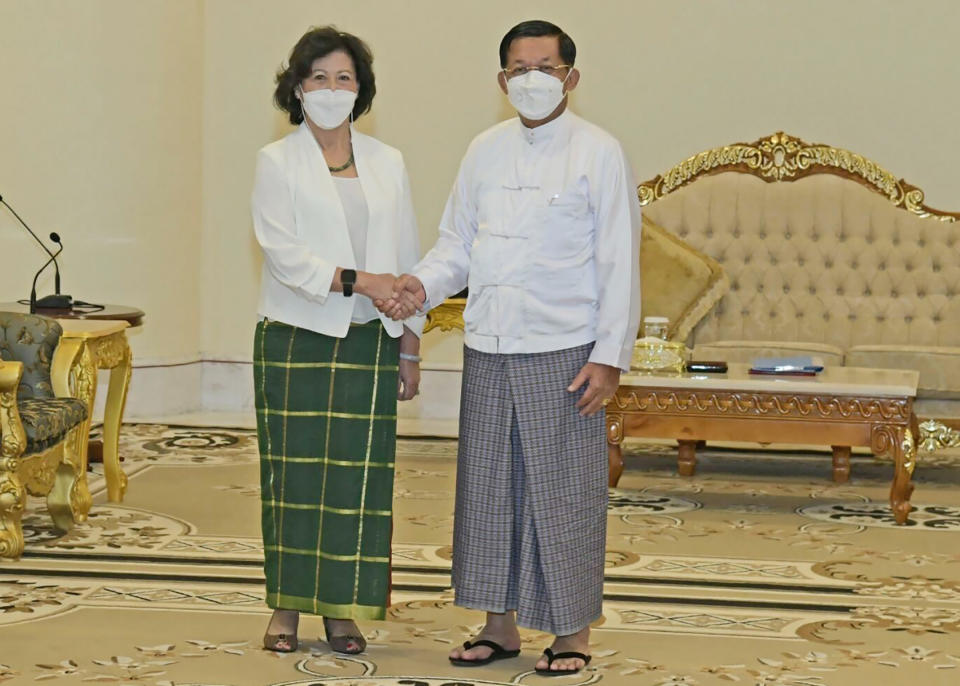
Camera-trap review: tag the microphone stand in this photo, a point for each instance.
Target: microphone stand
(55, 302)
(49, 302)
(33, 289)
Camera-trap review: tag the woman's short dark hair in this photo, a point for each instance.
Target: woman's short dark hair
(317, 43)
(535, 29)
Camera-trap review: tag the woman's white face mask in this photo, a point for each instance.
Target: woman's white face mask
(535, 94)
(328, 108)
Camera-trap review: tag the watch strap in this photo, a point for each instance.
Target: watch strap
(348, 277)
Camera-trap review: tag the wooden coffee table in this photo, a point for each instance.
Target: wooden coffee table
(841, 407)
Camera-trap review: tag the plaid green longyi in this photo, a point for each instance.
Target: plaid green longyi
(326, 425)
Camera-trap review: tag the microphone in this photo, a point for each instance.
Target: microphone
(33, 289)
(37, 239)
(55, 237)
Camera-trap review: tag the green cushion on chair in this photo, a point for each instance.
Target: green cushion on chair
(46, 421)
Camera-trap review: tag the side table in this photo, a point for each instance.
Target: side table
(132, 315)
(103, 345)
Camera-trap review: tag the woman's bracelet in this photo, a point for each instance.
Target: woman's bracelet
(409, 358)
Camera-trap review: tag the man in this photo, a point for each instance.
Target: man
(543, 226)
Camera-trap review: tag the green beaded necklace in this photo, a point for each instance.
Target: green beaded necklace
(344, 166)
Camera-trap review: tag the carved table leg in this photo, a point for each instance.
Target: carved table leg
(614, 450)
(841, 463)
(687, 458)
(904, 463)
(112, 418)
(898, 442)
(84, 382)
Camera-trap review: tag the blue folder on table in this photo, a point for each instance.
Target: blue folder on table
(779, 365)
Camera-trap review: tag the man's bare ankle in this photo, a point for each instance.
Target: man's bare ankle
(501, 622)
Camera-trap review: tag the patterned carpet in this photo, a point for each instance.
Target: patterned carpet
(758, 571)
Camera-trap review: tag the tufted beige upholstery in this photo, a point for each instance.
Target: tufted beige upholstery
(826, 266)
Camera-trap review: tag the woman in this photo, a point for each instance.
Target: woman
(333, 214)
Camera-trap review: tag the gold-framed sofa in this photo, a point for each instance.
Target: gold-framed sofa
(42, 424)
(827, 253)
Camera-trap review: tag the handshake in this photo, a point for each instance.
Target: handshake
(398, 297)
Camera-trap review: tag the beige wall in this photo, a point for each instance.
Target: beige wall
(667, 78)
(100, 141)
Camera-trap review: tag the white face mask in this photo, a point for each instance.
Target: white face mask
(328, 108)
(535, 95)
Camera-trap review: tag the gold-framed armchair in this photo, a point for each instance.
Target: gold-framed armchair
(39, 418)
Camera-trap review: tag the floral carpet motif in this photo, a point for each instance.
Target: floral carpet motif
(758, 571)
(930, 517)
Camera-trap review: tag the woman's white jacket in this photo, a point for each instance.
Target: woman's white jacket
(300, 224)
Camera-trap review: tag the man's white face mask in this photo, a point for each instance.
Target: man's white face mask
(328, 108)
(535, 94)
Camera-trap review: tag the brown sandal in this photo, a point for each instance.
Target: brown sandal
(342, 644)
(280, 643)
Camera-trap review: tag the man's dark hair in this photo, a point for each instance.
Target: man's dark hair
(535, 29)
(316, 43)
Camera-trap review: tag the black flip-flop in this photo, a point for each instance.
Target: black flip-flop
(498, 654)
(561, 656)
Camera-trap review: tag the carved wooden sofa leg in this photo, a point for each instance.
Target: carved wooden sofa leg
(12, 444)
(59, 498)
(12, 498)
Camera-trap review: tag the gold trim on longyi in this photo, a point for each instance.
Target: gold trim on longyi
(325, 413)
(326, 556)
(326, 460)
(330, 365)
(319, 507)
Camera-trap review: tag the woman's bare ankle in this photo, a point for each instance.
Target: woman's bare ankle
(284, 622)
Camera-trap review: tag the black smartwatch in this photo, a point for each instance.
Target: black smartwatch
(348, 277)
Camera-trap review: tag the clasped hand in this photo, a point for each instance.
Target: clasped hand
(400, 299)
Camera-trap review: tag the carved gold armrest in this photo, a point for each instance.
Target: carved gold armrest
(10, 373)
(63, 367)
(13, 441)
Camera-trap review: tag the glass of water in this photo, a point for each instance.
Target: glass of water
(655, 327)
